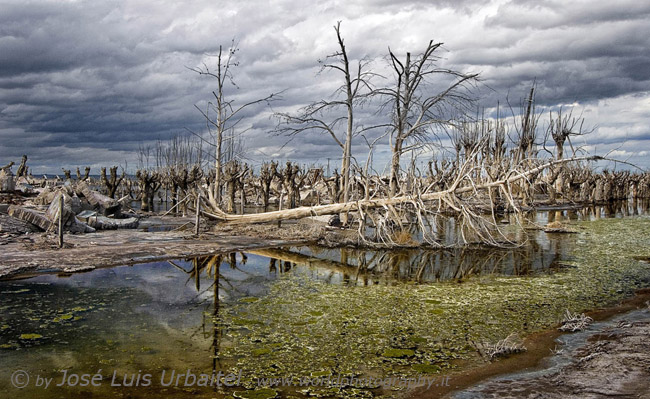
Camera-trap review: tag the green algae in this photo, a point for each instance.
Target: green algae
(63, 317)
(403, 328)
(398, 353)
(261, 351)
(263, 393)
(426, 368)
(30, 336)
(239, 321)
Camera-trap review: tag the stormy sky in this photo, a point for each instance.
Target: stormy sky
(86, 83)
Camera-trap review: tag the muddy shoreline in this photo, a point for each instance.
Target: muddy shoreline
(574, 379)
(28, 255)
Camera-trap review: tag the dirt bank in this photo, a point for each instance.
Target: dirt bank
(609, 359)
(38, 253)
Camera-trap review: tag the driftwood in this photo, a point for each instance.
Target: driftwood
(104, 223)
(22, 168)
(451, 192)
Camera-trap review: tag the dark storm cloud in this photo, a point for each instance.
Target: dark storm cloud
(576, 51)
(86, 82)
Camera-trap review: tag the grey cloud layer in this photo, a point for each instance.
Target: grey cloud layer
(84, 82)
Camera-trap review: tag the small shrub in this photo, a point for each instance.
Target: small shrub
(506, 347)
(575, 322)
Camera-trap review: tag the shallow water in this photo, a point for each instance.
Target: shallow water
(305, 312)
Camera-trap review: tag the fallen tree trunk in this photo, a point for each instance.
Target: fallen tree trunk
(331, 209)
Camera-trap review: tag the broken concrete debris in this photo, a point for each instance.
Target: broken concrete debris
(6, 180)
(84, 211)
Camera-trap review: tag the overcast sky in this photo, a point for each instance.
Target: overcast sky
(87, 82)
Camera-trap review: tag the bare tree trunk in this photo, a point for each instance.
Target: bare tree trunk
(394, 167)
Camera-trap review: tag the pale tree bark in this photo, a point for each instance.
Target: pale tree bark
(454, 191)
(416, 113)
(325, 115)
(223, 114)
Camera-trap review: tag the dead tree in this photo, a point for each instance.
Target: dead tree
(334, 186)
(149, 182)
(22, 168)
(222, 115)
(525, 151)
(560, 129)
(111, 184)
(85, 175)
(233, 175)
(268, 172)
(452, 198)
(527, 133)
(325, 116)
(180, 180)
(293, 179)
(416, 113)
(8, 166)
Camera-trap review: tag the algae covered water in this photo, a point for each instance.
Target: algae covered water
(303, 322)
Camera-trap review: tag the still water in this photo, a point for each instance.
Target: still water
(323, 322)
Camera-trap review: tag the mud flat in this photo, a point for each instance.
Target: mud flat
(38, 253)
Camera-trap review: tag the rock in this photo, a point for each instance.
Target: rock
(4, 208)
(105, 223)
(31, 216)
(79, 227)
(55, 209)
(104, 204)
(12, 225)
(334, 221)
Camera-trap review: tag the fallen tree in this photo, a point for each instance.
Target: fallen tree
(465, 200)
(449, 196)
